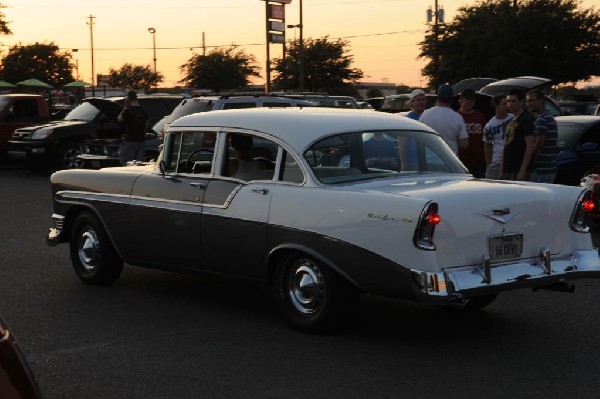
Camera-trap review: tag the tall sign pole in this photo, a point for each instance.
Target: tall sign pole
(301, 54)
(275, 31)
(91, 24)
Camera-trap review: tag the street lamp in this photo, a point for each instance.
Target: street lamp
(153, 33)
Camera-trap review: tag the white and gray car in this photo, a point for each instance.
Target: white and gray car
(323, 205)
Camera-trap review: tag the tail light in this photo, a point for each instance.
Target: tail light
(423, 238)
(584, 205)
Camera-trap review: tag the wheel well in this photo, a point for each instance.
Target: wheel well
(279, 254)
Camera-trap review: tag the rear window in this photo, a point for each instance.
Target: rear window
(190, 106)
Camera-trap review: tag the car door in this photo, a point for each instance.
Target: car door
(166, 205)
(236, 210)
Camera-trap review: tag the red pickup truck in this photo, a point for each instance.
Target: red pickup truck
(20, 110)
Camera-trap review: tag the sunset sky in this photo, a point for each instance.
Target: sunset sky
(383, 34)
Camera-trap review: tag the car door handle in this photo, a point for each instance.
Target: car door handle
(262, 191)
(199, 185)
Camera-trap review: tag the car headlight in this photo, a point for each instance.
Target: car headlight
(42, 133)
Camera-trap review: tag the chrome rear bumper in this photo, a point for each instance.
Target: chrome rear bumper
(463, 282)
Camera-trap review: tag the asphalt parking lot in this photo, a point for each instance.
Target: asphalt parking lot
(162, 335)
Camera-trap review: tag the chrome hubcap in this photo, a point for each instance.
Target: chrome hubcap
(89, 249)
(306, 287)
(71, 160)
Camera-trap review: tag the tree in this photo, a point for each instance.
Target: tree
(327, 65)
(135, 77)
(43, 61)
(4, 29)
(222, 68)
(549, 38)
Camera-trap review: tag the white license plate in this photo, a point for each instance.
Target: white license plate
(506, 246)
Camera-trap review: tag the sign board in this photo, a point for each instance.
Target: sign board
(102, 80)
(277, 26)
(276, 38)
(276, 11)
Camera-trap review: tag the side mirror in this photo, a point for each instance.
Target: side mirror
(587, 147)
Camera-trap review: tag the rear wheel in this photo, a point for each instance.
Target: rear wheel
(311, 296)
(94, 258)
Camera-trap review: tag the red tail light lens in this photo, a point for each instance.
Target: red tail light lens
(588, 205)
(434, 219)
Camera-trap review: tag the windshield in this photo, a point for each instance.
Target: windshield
(369, 155)
(83, 112)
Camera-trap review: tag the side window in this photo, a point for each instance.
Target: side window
(273, 104)
(239, 105)
(250, 157)
(591, 135)
(24, 109)
(190, 152)
(291, 171)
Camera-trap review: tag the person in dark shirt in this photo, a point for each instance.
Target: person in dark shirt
(545, 133)
(135, 120)
(518, 140)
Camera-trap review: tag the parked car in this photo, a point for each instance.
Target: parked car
(524, 83)
(578, 108)
(325, 100)
(16, 379)
(400, 103)
(578, 144)
(56, 145)
(310, 218)
(99, 153)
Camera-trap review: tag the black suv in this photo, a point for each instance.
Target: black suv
(56, 145)
(100, 153)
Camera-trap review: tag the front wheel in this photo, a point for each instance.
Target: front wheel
(66, 157)
(311, 296)
(94, 258)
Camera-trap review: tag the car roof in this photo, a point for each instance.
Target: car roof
(299, 127)
(577, 118)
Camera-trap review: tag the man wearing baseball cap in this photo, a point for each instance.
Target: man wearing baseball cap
(418, 101)
(447, 122)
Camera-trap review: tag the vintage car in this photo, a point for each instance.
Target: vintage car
(323, 205)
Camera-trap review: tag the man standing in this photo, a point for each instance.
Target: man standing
(518, 140)
(473, 157)
(544, 132)
(447, 122)
(493, 137)
(135, 119)
(418, 101)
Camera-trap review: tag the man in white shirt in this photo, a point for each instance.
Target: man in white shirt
(447, 122)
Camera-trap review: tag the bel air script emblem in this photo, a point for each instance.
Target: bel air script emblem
(501, 215)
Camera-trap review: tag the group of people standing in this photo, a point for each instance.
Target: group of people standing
(517, 143)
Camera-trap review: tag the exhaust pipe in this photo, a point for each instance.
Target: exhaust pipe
(560, 287)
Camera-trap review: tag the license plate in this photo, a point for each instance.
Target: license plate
(506, 247)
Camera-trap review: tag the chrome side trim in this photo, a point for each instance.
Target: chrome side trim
(461, 282)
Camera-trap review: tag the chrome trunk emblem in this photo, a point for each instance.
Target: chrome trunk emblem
(501, 215)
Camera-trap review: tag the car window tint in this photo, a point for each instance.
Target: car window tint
(239, 105)
(368, 155)
(190, 152)
(276, 104)
(291, 171)
(249, 157)
(591, 135)
(567, 132)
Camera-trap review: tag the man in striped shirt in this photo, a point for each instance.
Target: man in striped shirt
(544, 132)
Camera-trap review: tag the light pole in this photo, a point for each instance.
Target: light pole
(75, 50)
(301, 53)
(91, 24)
(153, 33)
